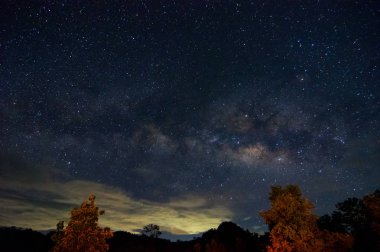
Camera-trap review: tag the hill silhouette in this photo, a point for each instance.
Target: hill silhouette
(227, 237)
(17, 239)
(353, 226)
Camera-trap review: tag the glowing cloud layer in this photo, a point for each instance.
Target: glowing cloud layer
(53, 201)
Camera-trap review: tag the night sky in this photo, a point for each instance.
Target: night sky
(184, 113)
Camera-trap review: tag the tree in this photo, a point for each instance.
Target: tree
(352, 215)
(293, 226)
(82, 233)
(372, 205)
(358, 217)
(151, 230)
(58, 234)
(215, 246)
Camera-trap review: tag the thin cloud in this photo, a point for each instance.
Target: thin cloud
(41, 203)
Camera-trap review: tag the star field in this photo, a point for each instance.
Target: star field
(195, 105)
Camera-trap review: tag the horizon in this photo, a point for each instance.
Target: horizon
(165, 233)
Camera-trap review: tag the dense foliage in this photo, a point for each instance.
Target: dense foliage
(358, 217)
(354, 226)
(293, 226)
(83, 233)
(151, 230)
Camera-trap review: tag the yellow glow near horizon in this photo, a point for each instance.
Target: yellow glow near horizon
(183, 215)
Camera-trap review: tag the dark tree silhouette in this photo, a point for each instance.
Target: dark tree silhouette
(350, 217)
(229, 237)
(151, 230)
(359, 217)
(14, 239)
(331, 223)
(83, 233)
(58, 234)
(372, 231)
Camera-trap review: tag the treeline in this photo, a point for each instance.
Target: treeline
(227, 237)
(293, 227)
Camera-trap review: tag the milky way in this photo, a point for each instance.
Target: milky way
(184, 113)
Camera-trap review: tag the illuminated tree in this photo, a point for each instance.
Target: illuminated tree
(83, 234)
(151, 230)
(293, 226)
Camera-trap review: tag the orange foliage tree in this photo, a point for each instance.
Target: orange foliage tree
(293, 226)
(83, 234)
